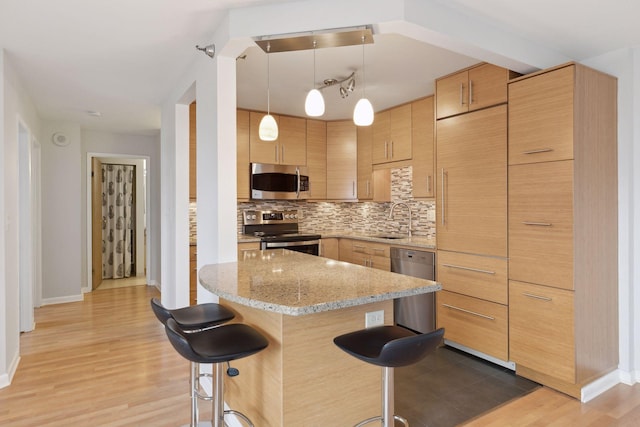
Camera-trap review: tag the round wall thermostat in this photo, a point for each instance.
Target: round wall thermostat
(60, 139)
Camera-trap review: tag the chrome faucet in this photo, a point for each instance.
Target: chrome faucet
(393, 206)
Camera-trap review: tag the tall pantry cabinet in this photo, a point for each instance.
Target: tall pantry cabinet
(563, 226)
(471, 214)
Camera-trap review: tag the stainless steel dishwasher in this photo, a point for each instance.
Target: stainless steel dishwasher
(415, 312)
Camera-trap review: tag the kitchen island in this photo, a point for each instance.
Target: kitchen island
(300, 303)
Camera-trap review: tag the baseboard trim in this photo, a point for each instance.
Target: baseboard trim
(62, 300)
(599, 386)
(5, 379)
(481, 355)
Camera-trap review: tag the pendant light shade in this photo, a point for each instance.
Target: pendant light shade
(363, 113)
(268, 130)
(314, 104)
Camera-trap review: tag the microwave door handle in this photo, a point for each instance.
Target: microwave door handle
(298, 186)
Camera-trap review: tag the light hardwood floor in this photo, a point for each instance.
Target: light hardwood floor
(106, 362)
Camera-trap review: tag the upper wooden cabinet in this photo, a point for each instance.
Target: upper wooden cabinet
(471, 213)
(242, 154)
(365, 166)
(477, 87)
(541, 118)
(192, 152)
(289, 149)
(317, 158)
(342, 163)
(422, 141)
(392, 135)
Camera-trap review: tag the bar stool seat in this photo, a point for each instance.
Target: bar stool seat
(389, 347)
(216, 346)
(194, 317)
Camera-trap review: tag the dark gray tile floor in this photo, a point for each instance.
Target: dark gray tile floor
(449, 387)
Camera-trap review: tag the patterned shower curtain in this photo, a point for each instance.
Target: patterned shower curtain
(117, 220)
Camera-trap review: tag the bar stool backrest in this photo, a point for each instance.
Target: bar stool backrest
(160, 311)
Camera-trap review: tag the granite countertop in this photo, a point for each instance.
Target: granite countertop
(296, 284)
(422, 242)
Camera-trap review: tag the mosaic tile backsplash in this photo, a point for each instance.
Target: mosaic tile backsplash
(360, 217)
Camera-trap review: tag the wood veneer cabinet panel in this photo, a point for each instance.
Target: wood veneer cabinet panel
(471, 204)
(423, 145)
(392, 135)
(473, 275)
(451, 94)
(293, 141)
(541, 329)
(365, 162)
(541, 244)
(329, 248)
(541, 117)
(317, 158)
(342, 164)
(475, 323)
(242, 154)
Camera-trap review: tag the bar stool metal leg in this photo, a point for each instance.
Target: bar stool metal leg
(195, 382)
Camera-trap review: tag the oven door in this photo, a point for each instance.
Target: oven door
(311, 247)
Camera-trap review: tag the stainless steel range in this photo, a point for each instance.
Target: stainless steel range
(279, 229)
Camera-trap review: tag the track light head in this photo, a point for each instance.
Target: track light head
(343, 92)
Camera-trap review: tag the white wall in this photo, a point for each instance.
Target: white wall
(15, 105)
(121, 145)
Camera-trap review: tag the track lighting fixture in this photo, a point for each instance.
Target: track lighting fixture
(209, 50)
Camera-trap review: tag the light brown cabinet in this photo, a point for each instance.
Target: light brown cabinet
(563, 226)
(365, 165)
(368, 254)
(329, 248)
(242, 155)
(423, 145)
(392, 135)
(290, 147)
(192, 152)
(246, 249)
(193, 274)
(478, 87)
(317, 158)
(471, 205)
(342, 164)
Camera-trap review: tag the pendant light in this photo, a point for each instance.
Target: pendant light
(363, 113)
(268, 130)
(314, 104)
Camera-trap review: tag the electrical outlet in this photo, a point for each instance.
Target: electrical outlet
(374, 318)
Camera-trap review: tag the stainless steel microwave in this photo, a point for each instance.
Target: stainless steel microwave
(279, 182)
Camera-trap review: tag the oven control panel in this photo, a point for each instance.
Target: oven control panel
(257, 217)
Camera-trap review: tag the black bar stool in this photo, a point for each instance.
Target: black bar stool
(216, 346)
(192, 319)
(389, 347)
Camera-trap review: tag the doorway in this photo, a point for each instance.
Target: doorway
(102, 216)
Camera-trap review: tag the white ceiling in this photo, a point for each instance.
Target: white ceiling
(122, 57)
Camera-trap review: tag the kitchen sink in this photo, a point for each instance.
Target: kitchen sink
(388, 236)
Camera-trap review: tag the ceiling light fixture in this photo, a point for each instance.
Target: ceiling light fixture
(314, 104)
(344, 92)
(209, 50)
(363, 113)
(268, 129)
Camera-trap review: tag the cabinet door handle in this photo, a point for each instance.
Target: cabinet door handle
(282, 151)
(539, 224)
(428, 183)
(378, 250)
(353, 188)
(461, 94)
(442, 198)
(358, 248)
(391, 142)
(386, 150)
(276, 147)
(368, 186)
(526, 294)
(470, 92)
(484, 316)
(539, 150)
(476, 270)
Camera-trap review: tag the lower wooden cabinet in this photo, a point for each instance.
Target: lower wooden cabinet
(375, 255)
(541, 329)
(329, 248)
(193, 274)
(246, 248)
(478, 324)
